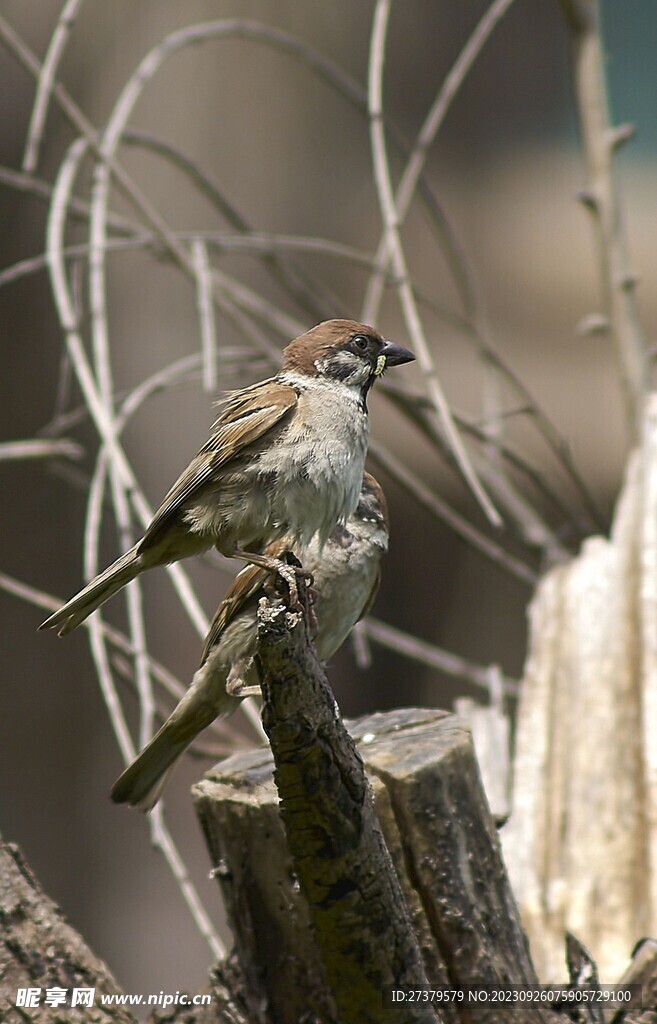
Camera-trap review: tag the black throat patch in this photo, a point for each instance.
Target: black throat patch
(364, 392)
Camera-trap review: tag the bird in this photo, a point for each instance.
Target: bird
(346, 579)
(285, 459)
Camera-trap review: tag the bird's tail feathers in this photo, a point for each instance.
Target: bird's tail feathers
(142, 783)
(99, 590)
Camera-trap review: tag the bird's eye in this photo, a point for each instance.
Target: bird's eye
(360, 341)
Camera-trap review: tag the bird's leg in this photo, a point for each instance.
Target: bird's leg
(235, 685)
(283, 569)
(311, 593)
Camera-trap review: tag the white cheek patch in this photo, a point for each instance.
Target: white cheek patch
(380, 366)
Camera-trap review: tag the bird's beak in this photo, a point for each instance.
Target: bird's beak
(392, 355)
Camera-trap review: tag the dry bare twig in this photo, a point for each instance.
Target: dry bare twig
(47, 76)
(398, 259)
(600, 141)
(35, 448)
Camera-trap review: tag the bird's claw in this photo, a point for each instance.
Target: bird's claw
(290, 574)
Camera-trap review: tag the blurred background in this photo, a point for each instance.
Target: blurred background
(294, 158)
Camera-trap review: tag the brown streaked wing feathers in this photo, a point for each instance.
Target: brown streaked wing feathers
(247, 415)
(245, 586)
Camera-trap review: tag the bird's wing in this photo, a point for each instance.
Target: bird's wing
(246, 416)
(245, 587)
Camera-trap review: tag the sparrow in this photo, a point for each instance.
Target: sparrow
(346, 574)
(285, 459)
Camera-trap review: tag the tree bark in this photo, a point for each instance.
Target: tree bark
(452, 851)
(40, 950)
(581, 842)
(360, 920)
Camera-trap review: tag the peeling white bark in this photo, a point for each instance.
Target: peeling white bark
(581, 844)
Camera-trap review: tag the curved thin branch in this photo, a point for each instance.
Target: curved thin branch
(75, 347)
(439, 508)
(47, 76)
(49, 603)
(414, 406)
(96, 636)
(600, 141)
(311, 294)
(530, 524)
(404, 287)
(415, 164)
(78, 208)
(163, 840)
(325, 69)
(433, 656)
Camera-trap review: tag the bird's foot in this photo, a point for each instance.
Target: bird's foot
(294, 576)
(289, 569)
(236, 686)
(242, 691)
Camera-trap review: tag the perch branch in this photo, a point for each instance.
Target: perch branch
(344, 869)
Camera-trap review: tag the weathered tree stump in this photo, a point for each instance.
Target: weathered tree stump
(581, 842)
(435, 818)
(39, 950)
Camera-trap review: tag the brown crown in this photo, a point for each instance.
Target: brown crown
(301, 354)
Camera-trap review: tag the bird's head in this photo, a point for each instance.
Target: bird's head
(344, 350)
